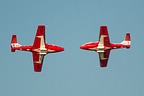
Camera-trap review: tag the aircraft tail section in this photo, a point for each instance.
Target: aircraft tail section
(14, 43)
(127, 40)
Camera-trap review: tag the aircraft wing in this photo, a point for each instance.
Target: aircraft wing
(38, 61)
(40, 37)
(104, 36)
(103, 57)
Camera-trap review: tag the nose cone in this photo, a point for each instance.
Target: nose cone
(59, 49)
(54, 48)
(89, 46)
(83, 47)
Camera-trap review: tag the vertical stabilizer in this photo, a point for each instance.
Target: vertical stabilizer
(127, 37)
(14, 39)
(127, 40)
(14, 43)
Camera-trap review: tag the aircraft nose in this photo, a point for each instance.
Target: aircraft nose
(59, 49)
(83, 47)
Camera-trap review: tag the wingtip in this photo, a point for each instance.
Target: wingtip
(103, 66)
(103, 26)
(37, 70)
(14, 35)
(41, 25)
(37, 67)
(128, 33)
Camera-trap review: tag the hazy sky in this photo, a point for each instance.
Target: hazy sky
(73, 72)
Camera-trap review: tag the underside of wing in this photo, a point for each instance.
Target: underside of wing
(40, 37)
(37, 61)
(103, 57)
(104, 36)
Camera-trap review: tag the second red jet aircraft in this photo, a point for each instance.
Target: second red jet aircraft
(103, 46)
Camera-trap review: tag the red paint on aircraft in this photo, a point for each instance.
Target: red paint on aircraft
(103, 46)
(39, 49)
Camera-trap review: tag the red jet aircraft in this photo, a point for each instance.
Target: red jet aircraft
(39, 49)
(103, 46)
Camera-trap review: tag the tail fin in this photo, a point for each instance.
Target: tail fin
(127, 40)
(14, 43)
